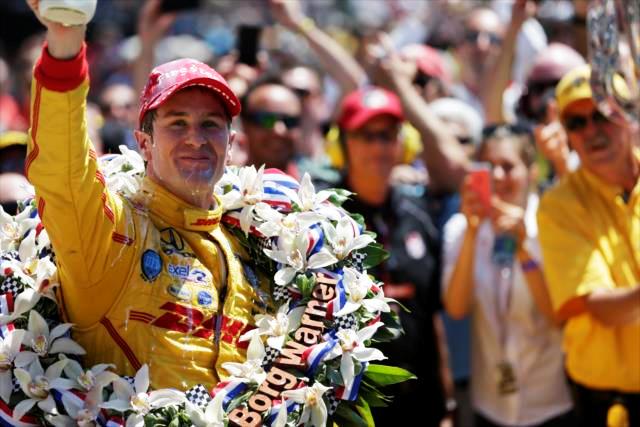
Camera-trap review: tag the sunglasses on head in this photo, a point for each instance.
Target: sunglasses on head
(471, 36)
(268, 120)
(577, 122)
(513, 129)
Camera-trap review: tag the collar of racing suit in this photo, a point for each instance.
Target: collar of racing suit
(175, 211)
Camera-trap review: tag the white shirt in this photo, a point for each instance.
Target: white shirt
(532, 344)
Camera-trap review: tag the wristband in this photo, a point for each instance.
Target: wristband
(306, 25)
(529, 265)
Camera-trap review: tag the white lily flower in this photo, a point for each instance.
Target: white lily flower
(9, 350)
(43, 342)
(315, 409)
(276, 328)
(248, 193)
(86, 380)
(351, 346)
(37, 384)
(250, 370)
(13, 228)
(213, 414)
(357, 285)
(277, 224)
(306, 198)
(136, 398)
(292, 254)
(123, 173)
(345, 237)
(81, 415)
(24, 302)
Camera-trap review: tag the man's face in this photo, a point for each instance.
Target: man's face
(601, 144)
(271, 123)
(375, 148)
(482, 41)
(190, 143)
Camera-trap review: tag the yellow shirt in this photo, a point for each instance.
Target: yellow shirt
(141, 280)
(590, 239)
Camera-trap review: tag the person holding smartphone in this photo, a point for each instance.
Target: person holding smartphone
(491, 271)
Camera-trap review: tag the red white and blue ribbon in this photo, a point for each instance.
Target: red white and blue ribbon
(315, 354)
(350, 391)
(276, 184)
(6, 418)
(275, 408)
(340, 300)
(6, 308)
(231, 389)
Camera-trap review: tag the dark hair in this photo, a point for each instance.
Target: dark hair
(149, 117)
(519, 134)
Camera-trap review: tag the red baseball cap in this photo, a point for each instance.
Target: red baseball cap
(169, 78)
(428, 60)
(362, 105)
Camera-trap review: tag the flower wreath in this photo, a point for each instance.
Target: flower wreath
(308, 363)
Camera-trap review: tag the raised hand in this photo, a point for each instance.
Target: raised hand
(153, 23)
(287, 13)
(64, 42)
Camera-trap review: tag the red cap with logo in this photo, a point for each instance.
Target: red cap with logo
(362, 105)
(169, 78)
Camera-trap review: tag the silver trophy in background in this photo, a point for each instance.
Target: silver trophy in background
(614, 54)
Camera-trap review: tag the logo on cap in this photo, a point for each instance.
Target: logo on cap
(375, 99)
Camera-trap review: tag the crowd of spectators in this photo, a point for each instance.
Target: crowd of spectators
(398, 101)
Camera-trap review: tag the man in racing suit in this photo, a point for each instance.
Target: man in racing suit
(154, 280)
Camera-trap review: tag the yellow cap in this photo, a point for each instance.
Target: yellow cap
(576, 86)
(617, 416)
(13, 137)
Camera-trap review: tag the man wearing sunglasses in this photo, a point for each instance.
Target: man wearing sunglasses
(590, 238)
(152, 278)
(271, 123)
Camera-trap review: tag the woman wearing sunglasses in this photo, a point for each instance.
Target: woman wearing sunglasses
(492, 272)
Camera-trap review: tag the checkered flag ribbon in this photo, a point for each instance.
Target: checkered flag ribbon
(11, 284)
(280, 292)
(15, 383)
(348, 321)
(264, 243)
(198, 395)
(9, 256)
(130, 380)
(270, 356)
(356, 260)
(332, 401)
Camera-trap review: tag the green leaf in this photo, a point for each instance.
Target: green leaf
(373, 396)
(375, 254)
(364, 411)
(339, 196)
(386, 375)
(346, 416)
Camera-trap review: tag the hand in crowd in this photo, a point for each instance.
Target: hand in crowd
(551, 140)
(385, 66)
(508, 219)
(521, 11)
(287, 13)
(153, 22)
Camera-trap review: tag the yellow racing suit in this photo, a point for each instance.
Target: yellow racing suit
(140, 279)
